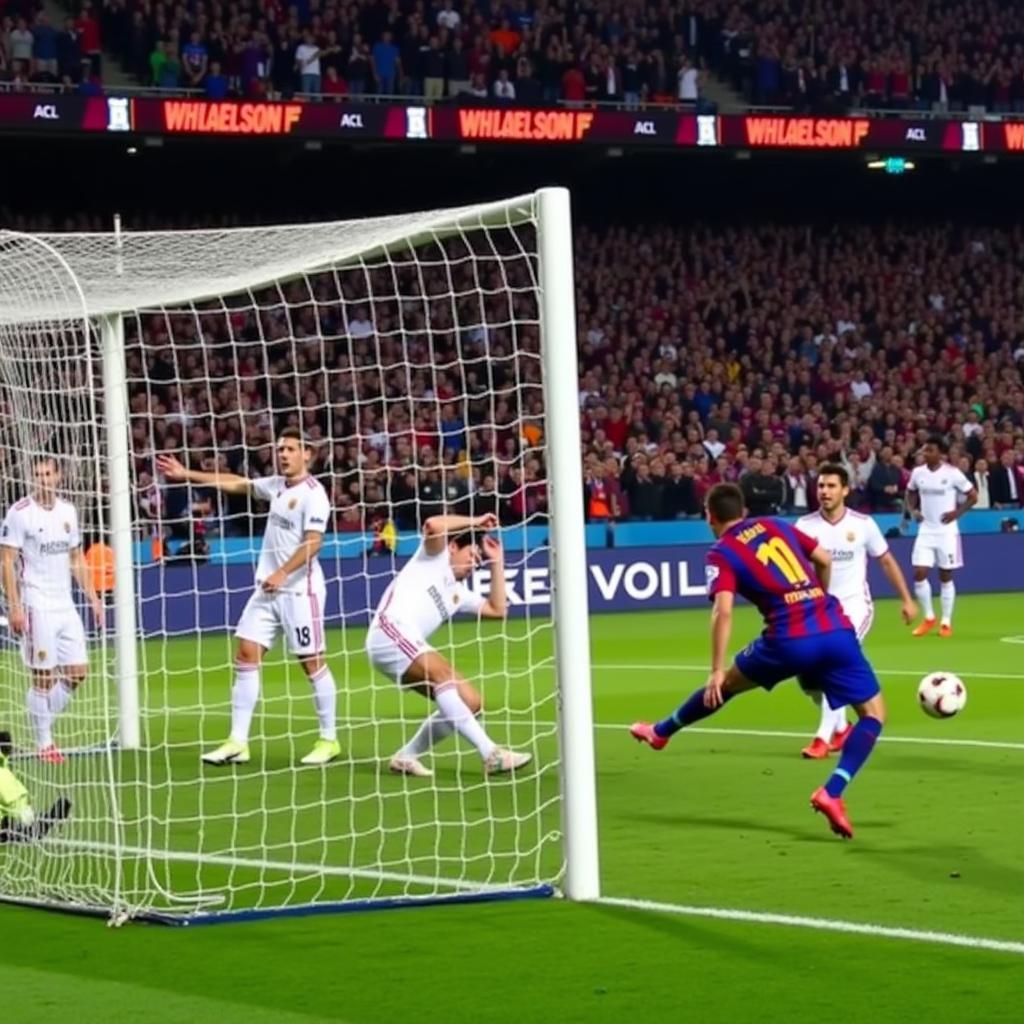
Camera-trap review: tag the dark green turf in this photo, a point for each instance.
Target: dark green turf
(717, 819)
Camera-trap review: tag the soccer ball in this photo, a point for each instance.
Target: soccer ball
(941, 694)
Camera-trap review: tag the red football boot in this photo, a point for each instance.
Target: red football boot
(839, 737)
(815, 750)
(644, 732)
(835, 810)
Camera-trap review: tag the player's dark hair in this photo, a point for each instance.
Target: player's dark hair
(725, 503)
(835, 469)
(939, 441)
(42, 460)
(294, 434)
(463, 539)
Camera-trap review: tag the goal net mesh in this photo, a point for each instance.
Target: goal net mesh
(407, 349)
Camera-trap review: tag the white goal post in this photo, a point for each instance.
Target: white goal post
(430, 358)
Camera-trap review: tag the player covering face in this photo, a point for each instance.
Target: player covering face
(785, 574)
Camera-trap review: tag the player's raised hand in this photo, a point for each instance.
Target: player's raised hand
(170, 468)
(492, 548)
(488, 521)
(713, 689)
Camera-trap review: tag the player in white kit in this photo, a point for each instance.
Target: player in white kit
(850, 538)
(427, 592)
(933, 499)
(41, 533)
(289, 595)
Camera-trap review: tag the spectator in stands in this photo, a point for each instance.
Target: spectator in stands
(884, 491)
(20, 43)
(44, 49)
(87, 27)
(1006, 482)
(195, 61)
(216, 84)
(504, 89)
(387, 64)
(979, 477)
(433, 68)
(762, 489)
(307, 64)
(796, 500)
(69, 53)
(679, 497)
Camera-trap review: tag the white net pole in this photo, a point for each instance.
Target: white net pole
(568, 544)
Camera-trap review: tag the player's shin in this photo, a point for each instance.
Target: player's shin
(244, 695)
(856, 751)
(325, 699)
(455, 709)
(60, 696)
(690, 711)
(432, 730)
(38, 703)
(947, 596)
(923, 593)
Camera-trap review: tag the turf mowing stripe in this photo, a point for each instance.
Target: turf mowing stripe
(607, 667)
(822, 924)
(782, 734)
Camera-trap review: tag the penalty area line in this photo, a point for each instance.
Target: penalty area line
(821, 924)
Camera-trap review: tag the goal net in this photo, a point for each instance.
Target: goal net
(429, 359)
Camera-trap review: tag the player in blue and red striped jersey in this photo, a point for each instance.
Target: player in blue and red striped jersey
(785, 574)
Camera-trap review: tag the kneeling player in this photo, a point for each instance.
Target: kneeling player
(785, 574)
(422, 597)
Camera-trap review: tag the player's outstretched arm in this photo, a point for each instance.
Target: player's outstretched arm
(437, 529)
(894, 574)
(230, 483)
(721, 632)
(496, 605)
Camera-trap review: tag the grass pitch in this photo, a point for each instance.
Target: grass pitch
(718, 820)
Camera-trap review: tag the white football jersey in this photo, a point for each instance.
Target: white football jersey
(938, 492)
(45, 537)
(426, 594)
(849, 541)
(294, 511)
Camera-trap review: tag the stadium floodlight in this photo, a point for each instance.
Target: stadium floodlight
(366, 334)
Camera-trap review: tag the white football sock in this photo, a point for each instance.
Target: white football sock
(454, 708)
(825, 715)
(60, 695)
(923, 593)
(40, 715)
(947, 597)
(244, 695)
(839, 722)
(433, 729)
(325, 699)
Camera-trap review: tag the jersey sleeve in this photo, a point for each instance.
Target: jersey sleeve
(469, 600)
(875, 543)
(265, 487)
(805, 540)
(12, 533)
(719, 575)
(961, 483)
(317, 512)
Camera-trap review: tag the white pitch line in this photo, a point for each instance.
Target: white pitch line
(822, 924)
(607, 667)
(924, 741)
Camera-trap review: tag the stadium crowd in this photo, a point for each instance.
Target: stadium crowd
(750, 354)
(910, 55)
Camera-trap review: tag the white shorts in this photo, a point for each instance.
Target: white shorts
(861, 614)
(392, 647)
(937, 550)
(299, 616)
(52, 639)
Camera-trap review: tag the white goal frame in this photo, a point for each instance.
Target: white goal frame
(103, 309)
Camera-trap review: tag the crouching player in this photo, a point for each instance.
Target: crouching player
(785, 574)
(19, 823)
(428, 591)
